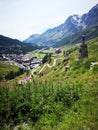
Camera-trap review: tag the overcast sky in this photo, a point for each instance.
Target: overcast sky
(22, 18)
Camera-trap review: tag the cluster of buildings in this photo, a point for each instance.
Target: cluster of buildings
(26, 62)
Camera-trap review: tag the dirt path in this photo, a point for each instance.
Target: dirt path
(34, 70)
(92, 64)
(50, 66)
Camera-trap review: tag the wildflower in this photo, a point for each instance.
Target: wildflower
(16, 78)
(0, 84)
(11, 88)
(28, 78)
(32, 84)
(43, 81)
(60, 82)
(71, 92)
(24, 81)
(4, 81)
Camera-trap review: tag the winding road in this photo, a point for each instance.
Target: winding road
(50, 66)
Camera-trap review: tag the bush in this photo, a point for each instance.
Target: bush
(11, 75)
(1, 77)
(34, 101)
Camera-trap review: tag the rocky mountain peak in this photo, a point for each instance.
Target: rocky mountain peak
(76, 19)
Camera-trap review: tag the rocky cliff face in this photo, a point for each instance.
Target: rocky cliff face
(73, 24)
(91, 18)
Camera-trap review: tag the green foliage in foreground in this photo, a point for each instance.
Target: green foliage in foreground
(40, 103)
(45, 106)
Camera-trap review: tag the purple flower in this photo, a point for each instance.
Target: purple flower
(60, 82)
(0, 84)
(43, 81)
(32, 84)
(11, 88)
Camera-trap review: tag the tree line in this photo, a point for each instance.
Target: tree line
(11, 74)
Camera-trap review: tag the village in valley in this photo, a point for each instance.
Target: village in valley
(26, 61)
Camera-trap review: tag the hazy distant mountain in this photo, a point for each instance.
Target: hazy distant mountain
(35, 37)
(71, 26)
(14, 46)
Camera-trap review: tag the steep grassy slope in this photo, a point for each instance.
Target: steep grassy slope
(76, 65)
(84, 113)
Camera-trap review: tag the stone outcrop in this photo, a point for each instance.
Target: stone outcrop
(83, 51)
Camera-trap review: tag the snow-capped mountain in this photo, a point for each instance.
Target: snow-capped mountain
(72, 25)
(77, 21)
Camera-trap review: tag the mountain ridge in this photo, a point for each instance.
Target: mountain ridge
(90, 33)
(72, 25)
(14, 46)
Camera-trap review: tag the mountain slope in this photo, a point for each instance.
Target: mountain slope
(51, 36)
(91, 17)
(91, 32)
(72, 25)
(9, 45)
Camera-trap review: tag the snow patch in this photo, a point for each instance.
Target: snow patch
(77, 20)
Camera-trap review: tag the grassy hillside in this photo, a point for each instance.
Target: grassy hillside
(76, 65)
(9, 71)
(83, 114)
(57, 99)
(14, 46)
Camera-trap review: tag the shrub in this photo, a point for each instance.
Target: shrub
(32, 103)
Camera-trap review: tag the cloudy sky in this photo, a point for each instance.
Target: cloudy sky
(22, 18)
